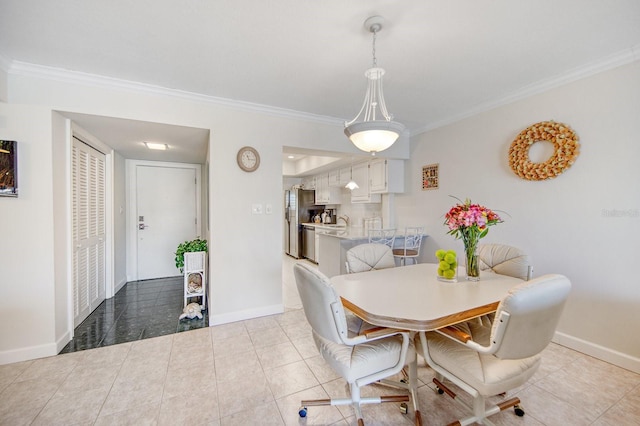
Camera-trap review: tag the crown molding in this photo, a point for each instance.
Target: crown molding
(94, 80)
(610, 62)
(58, 74)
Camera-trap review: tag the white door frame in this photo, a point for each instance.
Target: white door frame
(71, 130)
(132, 207)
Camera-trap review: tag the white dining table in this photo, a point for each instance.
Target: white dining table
(412, 298)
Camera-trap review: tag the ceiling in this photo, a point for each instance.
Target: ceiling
(444, 59)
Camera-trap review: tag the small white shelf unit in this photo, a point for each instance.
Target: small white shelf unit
(195, 269)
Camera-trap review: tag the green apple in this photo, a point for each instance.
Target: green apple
(448, 274)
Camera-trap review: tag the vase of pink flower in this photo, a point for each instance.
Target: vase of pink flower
(469, 223)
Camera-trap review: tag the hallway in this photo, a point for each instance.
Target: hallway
(140, 310)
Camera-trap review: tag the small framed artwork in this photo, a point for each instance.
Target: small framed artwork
(430, 177)
(8, 168)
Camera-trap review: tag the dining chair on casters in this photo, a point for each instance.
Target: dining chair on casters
(411, 246)
(369, 257)
(487, 360)
(363, 258)
(359, 359)
(505, 260)
(382, 236)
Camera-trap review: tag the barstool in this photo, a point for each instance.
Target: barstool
(382, 236)
(412, 244)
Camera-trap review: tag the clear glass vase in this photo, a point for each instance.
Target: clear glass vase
(473, 264)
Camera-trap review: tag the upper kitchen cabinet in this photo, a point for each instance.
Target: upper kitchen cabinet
(363, 194)
(309, 182)
(345, 176)
(334, 177)
(326, 194)
(386, 176)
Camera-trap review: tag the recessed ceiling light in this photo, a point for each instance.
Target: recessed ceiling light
(158, 146)
(291, 157)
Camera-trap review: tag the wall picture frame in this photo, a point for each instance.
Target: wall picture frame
(8, 168)
(430, 178)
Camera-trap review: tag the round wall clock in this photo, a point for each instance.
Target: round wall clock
(248, 159)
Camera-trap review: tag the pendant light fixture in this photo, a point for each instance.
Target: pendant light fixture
(373, 129)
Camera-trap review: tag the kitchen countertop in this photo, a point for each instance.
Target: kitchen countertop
(327, 226)
(345, 233)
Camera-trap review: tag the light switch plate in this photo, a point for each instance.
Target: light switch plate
(256, 209)
(268, 209)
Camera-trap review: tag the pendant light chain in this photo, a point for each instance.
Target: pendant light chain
(373, 50)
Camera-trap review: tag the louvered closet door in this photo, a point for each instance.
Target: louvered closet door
(88, 178)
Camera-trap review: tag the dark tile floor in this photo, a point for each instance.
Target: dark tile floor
(141, 309)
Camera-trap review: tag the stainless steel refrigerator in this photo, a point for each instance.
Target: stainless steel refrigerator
(299, 207)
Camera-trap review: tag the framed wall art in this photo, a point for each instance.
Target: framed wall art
(430, 177)
(8, 168)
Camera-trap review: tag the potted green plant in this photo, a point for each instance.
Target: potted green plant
(188, 247)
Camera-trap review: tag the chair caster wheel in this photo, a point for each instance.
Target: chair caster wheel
(519, 411)
(404, 409)
(302, 411)
(440, 391)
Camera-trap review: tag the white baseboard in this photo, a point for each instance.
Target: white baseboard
(120, 285)
(605, 354)
(244, 315)
(62, 341)
(28, 353)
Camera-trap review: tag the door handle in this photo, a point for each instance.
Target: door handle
(141, 226)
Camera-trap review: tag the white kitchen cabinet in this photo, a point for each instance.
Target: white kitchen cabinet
(386, 176)
(363, 194)
(345, 176)
(334, 178)
(309, 182)
(326, 194)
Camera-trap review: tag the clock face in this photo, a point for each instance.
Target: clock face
(248, 159)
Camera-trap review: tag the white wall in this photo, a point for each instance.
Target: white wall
(119, 221)
(245, 249)
(60, 162)
(27, 239)
(561, 222)
(4, 92)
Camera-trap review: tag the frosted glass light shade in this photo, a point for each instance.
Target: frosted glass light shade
(351, 185)
(374, 136)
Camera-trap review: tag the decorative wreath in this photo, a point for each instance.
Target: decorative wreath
(566, 150)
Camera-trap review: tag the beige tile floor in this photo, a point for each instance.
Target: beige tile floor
(256, 372)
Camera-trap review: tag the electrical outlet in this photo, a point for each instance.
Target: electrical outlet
(256, 209)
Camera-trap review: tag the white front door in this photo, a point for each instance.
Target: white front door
(166, 215)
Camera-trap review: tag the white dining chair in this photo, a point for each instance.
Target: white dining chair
(363, 258)
(359, 359)
(369, 257)
(411, 246)
(487, 360)
(505, 260)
